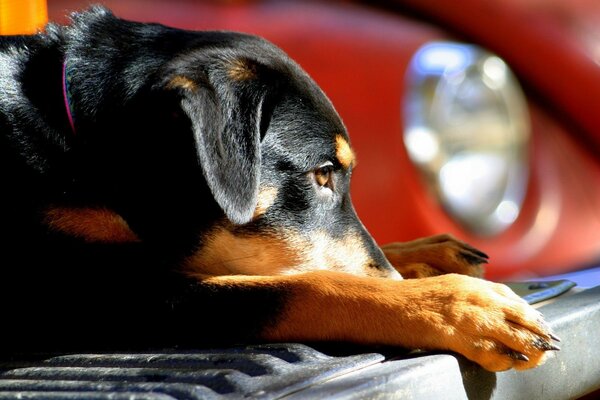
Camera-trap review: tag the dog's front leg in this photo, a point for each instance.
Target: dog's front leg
(435, 255)
(484, 321)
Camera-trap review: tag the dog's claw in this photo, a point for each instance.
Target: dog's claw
(518, 356)
(475, 251)
(473, 259)
(554, 337)
(544, 345)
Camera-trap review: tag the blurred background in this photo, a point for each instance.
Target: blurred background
(482, 120)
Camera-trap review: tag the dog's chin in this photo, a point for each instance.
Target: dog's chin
(228, 253)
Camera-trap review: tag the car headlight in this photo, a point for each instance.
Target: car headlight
(467, 129)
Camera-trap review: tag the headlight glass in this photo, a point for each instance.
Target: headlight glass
(467, 129)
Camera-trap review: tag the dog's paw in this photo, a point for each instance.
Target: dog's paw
(487, 323)
(435, 255)
(484, 321)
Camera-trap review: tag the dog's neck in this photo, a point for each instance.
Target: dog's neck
(67, 96)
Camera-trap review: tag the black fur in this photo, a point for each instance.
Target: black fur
(172, 162)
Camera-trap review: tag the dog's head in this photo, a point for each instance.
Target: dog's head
(231, 137)
(278, 161)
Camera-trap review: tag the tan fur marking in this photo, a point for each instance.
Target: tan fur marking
(90, 224)
(241, 70)
(344, 153)
(182, 82)
(228, 254)
(266, 197)
(284, 253)
(346, 254)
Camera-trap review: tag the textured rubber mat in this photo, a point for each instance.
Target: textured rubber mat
(261, 371)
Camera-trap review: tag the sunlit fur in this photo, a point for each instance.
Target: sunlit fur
(285, 253)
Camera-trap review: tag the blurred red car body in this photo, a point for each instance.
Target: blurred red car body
(359, 54)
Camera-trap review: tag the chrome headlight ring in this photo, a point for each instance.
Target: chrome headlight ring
(467, 130)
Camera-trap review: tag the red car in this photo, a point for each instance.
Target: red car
(448, 138)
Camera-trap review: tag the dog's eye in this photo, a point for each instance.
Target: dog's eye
(323, 175)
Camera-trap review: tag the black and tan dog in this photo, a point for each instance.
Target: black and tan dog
(165, 187)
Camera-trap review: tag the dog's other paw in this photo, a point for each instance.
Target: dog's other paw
(435, 255)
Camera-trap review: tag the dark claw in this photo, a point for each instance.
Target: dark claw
(543, 345)
(554, 337)
(515, 355)
(475, 251)
(473, 259)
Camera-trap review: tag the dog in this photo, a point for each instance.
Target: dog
(174, 188)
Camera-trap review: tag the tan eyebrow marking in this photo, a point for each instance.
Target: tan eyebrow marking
(344, 153)
(182, 82)
(241, 70)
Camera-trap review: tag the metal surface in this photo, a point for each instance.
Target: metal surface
(537, 291)
(300, 372)
(263, 371)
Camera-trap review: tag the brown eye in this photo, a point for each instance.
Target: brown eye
(323, 175)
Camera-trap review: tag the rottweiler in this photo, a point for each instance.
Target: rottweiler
(164, 187)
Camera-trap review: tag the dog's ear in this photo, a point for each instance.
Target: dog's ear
(225, 105)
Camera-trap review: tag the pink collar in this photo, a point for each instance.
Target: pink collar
(67, 96)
